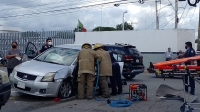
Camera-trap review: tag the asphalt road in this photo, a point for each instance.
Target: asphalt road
(27, 103)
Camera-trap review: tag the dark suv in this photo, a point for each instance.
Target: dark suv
(132, 58)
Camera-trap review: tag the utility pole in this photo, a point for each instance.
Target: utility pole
(43, 32)
(176, 14)
(101, 19)
(198, 42)
(101, 16)
(157, 21)
(123, 20)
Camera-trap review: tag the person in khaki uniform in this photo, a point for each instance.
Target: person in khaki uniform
(105, 69)
(86, 70)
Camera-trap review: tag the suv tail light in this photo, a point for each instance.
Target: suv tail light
(128, 58)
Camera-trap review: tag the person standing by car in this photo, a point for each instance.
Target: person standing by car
(115, 79)
(47, 45)
(14, 57)
(190, 52)
(168, 55)
(179, 54)
(105, 69)
(86, 70)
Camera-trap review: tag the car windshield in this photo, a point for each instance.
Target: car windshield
(134, 51)
(56, 55)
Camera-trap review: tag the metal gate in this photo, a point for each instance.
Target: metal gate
(38, 38)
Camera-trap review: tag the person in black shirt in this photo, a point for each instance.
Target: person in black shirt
(190, 52)
(115, 79)
(47, 45)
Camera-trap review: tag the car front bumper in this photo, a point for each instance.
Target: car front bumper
(5, 91)
(36, 88)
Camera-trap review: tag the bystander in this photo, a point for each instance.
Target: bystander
(14, 57)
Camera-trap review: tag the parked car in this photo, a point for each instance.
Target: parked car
(3, 60)
(132, 58)
(53, 73)
(5, 88)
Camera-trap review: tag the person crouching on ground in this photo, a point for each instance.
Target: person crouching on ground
(86, 70)
(105, 70)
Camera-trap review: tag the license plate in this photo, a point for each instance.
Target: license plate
(137, 61)
(21, 85)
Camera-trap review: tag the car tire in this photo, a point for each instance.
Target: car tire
(159, 76)
(129, 77)
(65, 90)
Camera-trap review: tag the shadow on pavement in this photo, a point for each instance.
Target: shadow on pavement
(30, 98)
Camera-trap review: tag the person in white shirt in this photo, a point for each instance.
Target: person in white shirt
(168, 54)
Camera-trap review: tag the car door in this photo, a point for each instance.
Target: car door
(119, 58)
(118, 54)
(30, 52)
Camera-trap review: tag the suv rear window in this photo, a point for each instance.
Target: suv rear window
(115, 49)
(133, 51)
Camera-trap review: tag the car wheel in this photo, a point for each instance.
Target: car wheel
(65, 90)
(159, 75)
(129, 76)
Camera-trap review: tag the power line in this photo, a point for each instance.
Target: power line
(7, 9)
(171, 4)
(149, 15)
(58, 10)
(56, 14)
(51, 4)
(186, 15)
(192, 16)
(183, 11)
(18, 3)
(168, 22)
(151, 24)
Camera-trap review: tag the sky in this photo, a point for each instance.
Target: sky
(54, 15)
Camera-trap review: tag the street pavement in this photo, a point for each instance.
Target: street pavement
(27, 103)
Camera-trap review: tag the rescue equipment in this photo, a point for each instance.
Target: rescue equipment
(136, 92)
(174, 66)
(188, 104)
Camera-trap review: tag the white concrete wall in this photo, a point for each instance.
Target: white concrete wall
(152, 43)
(184, 35)
(145, 41)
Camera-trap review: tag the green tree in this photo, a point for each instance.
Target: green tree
(127, 26)
(104, 29)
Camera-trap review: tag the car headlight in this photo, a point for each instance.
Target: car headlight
(3, 77)
(49, 77)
